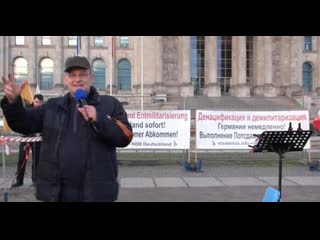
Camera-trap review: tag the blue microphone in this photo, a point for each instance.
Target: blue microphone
(81, 96)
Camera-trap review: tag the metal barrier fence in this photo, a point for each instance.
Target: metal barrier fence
(166, 102)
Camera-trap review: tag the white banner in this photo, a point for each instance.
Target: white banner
(234, 130)
(160, 129)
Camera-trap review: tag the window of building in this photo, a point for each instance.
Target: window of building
(20, 69)
(72, 41)
(124, 75)
(46, 74)
(224, 62)
(20, 40)
(308, 43)
(307, 76)
(99, 72)
(98, 41)
(249, 60)
(46, 40)
(124, 42)
(197, 63)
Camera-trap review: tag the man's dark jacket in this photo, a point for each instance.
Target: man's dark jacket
(99, 145)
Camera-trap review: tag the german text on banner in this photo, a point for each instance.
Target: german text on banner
(160, 129)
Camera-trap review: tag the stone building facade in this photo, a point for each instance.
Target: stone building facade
(212, 66)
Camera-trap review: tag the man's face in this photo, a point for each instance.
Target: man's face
(78, 79)
(37, 102)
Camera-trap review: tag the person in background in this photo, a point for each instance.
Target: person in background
(24, 149)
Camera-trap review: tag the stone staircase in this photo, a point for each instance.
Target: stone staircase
(312, 103)
(240, 103)
(131, 102)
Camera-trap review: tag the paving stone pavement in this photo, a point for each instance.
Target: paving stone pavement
(214, 184)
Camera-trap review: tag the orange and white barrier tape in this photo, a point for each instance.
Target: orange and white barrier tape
(4, 140)
(20, 139)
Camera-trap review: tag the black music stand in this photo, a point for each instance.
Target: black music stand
(281, 142)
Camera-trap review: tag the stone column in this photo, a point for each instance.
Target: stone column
(2, 56)
(149, 63)
(6, 60)
(58, 41)
(9, 54)
(299, 50)
(316, 74)
(146, 54)
(3, 51)
(37, 42)
(238, 84)
(111, 62)
(4, 48)
(84, 50)
(158, 87)
(295, 67)
(32, 60)
(171, 64)
(136, 66)
(211, 87)
(268, 90)
(285, 60)
(184, 69)
(258, 53)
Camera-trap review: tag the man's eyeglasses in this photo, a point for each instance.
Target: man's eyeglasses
(81, 75)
